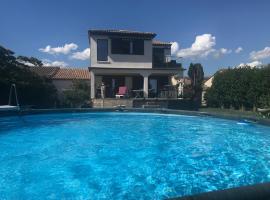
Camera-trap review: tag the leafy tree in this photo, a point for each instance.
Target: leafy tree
(78, 95)
(30, 61)
(196, 74)
(241, 88)
(32, 89)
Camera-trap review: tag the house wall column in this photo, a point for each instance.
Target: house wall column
(145, 84)
(93, 87)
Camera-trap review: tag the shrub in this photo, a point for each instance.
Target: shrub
(241, 88)
(78, 95)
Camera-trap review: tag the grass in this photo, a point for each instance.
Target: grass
(231, 112)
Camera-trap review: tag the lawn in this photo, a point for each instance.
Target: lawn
(234, 113)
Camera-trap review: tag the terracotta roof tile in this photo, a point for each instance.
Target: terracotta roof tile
(160, 43)
(72, 74)
(48, 72)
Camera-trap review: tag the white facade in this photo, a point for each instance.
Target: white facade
(129, 66)
(62, 85)
(118, 60)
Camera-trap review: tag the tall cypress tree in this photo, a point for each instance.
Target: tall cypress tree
(196, 74)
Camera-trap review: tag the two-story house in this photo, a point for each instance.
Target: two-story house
(132, 59)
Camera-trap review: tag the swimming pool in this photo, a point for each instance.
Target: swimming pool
(110, 155)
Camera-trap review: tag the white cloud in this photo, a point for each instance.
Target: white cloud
(48, 63)
(81, 55)
(253, 64)
(67, 48)
(174, 48)
(238, 50)
(257, 55)
(202, 47)
(225, 51)
(221, 52)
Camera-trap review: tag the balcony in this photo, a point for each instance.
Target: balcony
(166, 64)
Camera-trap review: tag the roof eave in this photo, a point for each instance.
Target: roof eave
(147, 35)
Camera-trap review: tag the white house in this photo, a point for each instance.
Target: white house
(62, 78)
(132, 59)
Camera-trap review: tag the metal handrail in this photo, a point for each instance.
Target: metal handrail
(10, 95)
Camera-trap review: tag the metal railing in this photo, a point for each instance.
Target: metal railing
(13, 86)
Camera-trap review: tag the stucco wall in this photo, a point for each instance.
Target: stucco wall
(208, 83)
(121, 61)
(62, 85)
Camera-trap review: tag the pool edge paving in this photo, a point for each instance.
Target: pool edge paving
(252, 119)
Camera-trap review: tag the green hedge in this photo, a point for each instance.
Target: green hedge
(240, 88)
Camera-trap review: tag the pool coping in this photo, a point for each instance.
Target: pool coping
(237, 117)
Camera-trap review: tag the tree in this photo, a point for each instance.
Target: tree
(241, 88)
(30, 61)
(78, 95)
(32, 89)
(196, 74)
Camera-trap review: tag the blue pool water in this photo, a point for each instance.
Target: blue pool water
(128, 155)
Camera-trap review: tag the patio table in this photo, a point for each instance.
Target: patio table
(137, 93)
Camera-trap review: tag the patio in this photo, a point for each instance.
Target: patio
(140, 83)
(135, 103)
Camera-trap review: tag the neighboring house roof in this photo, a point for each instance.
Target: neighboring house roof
(175, 80)
(48, 72)
(72, 74)
(160, 43)
(149, 35)
(57, 73)
(187, 80)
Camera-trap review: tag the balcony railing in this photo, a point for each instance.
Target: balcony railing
(167, 91)
(166, 64)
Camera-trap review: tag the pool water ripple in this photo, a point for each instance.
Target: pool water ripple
(112, 155)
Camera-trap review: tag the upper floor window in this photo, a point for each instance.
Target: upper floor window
(138, 47)
(102, 50)
(127, 46)
(120, 46)
(158, 57)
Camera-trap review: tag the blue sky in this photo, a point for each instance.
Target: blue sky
(206, 31)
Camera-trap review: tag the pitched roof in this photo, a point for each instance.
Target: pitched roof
(48, 72)
(160, 43)
(58, 73)
(149, 35)
(72, 74)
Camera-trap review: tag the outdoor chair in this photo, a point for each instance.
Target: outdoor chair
(122, 92)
